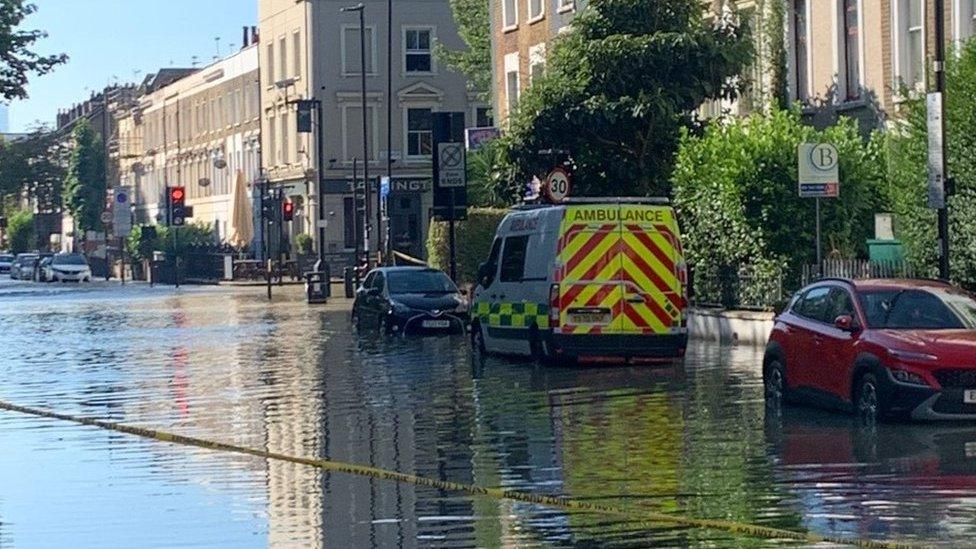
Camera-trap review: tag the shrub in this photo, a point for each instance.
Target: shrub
(304, 244)
(735, 189)
(189, 238)
(473, 239)
(20, 232)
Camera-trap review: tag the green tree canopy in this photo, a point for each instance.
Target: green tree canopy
(85, 187)
(618, 88)
(17, 58)
(915, 222)
(474, 62)
(21, 236)
(33, 165)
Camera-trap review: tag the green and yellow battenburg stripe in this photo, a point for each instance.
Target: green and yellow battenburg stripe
(512, 315)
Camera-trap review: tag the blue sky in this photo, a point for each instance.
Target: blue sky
(110, 39)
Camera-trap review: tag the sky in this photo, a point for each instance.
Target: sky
(109, 40)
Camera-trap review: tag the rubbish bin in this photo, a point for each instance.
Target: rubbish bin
(348, 275)
(317, 286)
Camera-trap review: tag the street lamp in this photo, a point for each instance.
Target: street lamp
(360, 8)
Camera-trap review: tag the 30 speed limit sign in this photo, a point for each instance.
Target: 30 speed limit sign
(557, 185)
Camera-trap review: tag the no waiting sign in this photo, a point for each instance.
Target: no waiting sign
(450, 161)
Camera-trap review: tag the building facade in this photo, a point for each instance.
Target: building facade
(311, 50)
(198, 129)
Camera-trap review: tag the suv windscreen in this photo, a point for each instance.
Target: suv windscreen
(918, 310)
(6, 258)
(69, 259)
(419, 282)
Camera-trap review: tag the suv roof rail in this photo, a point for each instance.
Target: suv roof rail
(583, 200)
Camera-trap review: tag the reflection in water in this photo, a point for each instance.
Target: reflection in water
(689, 439)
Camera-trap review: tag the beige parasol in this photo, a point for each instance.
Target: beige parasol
(241, 215)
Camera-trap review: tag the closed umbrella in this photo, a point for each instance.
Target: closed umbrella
(241, 215)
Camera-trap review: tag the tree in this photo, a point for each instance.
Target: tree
(915, 222)
(85, 187)
(33, 165)
(618, 88)
(20, 232)
(17, 59)
(735, 188)
(474, 29)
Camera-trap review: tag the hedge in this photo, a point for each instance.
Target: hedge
(20, 232)
(473, 238)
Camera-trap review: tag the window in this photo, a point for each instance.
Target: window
(537, 61)
(839, 304)
(349, 222)
(417, 50)
(536, 10)
(351, 50)
(511, 90)
(910, 46)
(852, 49)
(509, 13)
(813, 304)
(513, 258)
(285, 140)
(352, 130)
(272, 152)
(482, 116)
(566, 5)
(379, 283)
(420, 132)
(800, 49)
(296, 54)
(282, 58)
(269, 59)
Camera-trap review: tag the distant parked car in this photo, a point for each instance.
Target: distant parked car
(410, 299)
(6, 260)
(70, 268)
(23, 266)
(902, 348)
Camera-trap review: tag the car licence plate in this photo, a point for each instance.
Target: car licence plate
(589, 318)
(969, 396)
(436, 324)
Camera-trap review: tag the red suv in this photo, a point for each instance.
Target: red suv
(877, 347)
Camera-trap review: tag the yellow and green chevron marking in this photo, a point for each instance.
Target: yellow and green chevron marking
(512, 315)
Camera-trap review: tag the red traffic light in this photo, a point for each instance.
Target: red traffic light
(288, 210)
(177, 194)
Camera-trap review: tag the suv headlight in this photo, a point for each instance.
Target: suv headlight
(911, 356)
(462, 306)
(911, 378)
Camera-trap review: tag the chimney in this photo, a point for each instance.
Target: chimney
(244, 41)
(255, 38)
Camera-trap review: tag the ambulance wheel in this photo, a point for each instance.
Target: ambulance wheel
(538, 348)
(478, 340)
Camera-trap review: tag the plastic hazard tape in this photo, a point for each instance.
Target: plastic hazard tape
(644, 516)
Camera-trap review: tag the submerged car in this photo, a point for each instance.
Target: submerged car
(904, 348)
(69, 268)
(23, 266)
(408, 300)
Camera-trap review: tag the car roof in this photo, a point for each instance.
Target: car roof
(403, 269)
(868, 284)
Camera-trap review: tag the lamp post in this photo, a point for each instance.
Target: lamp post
(389, 127)
(940, 89)
(360, 8)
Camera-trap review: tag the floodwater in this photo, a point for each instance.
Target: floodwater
(690, 439)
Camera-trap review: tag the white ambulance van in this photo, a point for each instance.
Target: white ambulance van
(600, 280)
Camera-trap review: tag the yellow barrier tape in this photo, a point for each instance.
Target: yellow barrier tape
(649, 517)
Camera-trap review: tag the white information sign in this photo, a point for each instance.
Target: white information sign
(450, 161)
(819, 175)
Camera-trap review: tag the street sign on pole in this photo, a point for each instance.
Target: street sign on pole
(122, 212)
(557, 185)
(936, 163)
(106, 217)
(450, 158)
(818, 170)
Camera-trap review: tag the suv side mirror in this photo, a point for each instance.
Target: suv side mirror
(846, 323)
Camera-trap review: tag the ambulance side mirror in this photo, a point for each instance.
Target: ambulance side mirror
(486, 274)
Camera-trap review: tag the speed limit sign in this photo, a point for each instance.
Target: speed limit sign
(557, 185)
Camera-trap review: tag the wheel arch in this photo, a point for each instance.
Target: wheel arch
(864, 363)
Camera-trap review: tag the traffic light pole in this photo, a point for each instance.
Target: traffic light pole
(940, 87)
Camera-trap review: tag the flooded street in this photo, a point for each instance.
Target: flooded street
(690, 439)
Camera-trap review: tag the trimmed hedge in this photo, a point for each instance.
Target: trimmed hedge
(473, 238)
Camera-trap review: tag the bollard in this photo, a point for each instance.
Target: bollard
(347, 276)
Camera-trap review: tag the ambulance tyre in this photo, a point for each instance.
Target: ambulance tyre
(538, 348)
(478, 340)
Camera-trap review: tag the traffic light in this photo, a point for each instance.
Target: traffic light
(287, 211)
(269, 208)
(177, 206)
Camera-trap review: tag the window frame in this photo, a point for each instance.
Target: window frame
(800, 79)
(853, 87)
(432, 30)
(901, 59)
(564, 6)
(296, 54)
(506, 26)
(373, 129)
(798, 311)
(406, 131)
(538, 16)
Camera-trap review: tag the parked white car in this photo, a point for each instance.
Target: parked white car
(68, 268)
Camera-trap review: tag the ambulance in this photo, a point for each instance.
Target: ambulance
(589, 280)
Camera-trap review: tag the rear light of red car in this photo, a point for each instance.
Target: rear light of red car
(554, 306)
